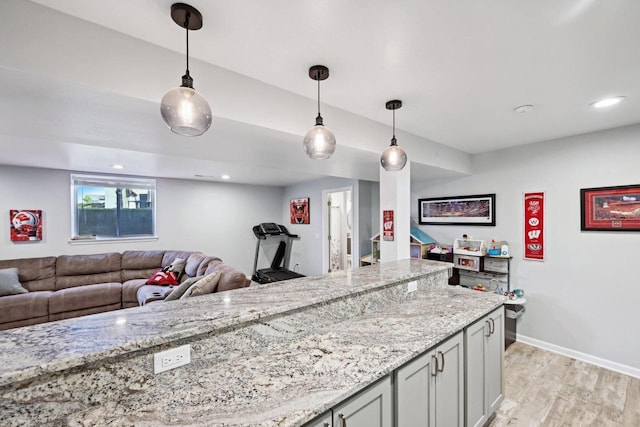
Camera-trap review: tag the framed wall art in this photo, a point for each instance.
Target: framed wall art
(478, 209)
(26, 225)
(610, 208)
(299, 211)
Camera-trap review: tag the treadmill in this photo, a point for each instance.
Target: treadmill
(279, 269)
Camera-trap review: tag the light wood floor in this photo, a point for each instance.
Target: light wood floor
(547, 389)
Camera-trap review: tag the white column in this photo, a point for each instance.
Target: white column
(395, 194)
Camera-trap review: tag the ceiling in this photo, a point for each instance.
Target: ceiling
(81, 82)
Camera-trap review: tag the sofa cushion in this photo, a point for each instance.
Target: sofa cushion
(130, 291)
(197, 263)
(84, 297)
(80, 270)
(35, 274)
(25, 306)
(230, 278)
(140, 264)
(9, 283)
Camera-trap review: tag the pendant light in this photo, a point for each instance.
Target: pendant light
(185, 111)
(393, 158)
(319, 142)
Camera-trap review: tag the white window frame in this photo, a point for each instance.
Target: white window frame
(114, 181)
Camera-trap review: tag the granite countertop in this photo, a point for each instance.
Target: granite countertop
(270, 355)
(55, 346)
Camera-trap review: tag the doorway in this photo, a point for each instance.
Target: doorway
(338, 250)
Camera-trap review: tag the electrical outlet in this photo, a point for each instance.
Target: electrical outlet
(412, 286)
(172, 358)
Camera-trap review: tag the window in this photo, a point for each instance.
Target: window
(112, 207)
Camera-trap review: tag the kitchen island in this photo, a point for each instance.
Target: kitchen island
(268, 355)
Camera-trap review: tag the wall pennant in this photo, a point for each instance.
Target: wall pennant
(534, 226)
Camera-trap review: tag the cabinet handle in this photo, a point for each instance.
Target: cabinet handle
(493, 325)
(434, 362)
(343, 420)
(441, 355)
(489, 325)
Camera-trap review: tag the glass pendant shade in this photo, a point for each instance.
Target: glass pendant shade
(186, 112)
(393, 158)
(319, 143)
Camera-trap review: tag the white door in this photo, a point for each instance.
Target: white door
(339, 237)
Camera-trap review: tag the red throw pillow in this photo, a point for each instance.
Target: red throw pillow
(163, 278)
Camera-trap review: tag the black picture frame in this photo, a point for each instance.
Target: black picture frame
(610, 208)
(478, 209)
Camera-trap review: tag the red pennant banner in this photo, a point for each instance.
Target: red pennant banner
(534, 226)
(387, 225)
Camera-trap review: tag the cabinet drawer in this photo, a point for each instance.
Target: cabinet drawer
(499, 265)
(471, 279)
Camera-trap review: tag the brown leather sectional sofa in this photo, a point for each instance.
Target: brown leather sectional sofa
(75, 285)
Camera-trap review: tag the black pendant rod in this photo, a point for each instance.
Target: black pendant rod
(186, 26)
(394, 141)
(318, 96)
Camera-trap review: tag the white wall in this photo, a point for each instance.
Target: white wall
(307, 252)
(215, 218)
(584, 296)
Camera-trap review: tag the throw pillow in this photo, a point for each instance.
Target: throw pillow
(206, 285)
(177, 266)
(9, 283)
(178, 291)
(162, 278)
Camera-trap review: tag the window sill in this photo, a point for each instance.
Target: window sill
(103, 240)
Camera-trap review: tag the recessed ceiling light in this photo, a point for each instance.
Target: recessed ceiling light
(526, 108)
(225, 176)
(607, 102)
(117, 166)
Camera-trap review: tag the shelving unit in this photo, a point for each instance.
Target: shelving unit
(494, 268)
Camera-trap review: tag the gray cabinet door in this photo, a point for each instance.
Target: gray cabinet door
(495, 361)
(484, 347)
(414, 392)
(430, 389)
(475, 343)
(369, 408)
(449, 382)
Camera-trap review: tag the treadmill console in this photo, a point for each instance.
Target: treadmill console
(270, 228)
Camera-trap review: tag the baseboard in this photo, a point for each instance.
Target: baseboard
(608, 364)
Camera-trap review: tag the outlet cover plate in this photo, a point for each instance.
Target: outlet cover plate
(412, 286)
(172, 358)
